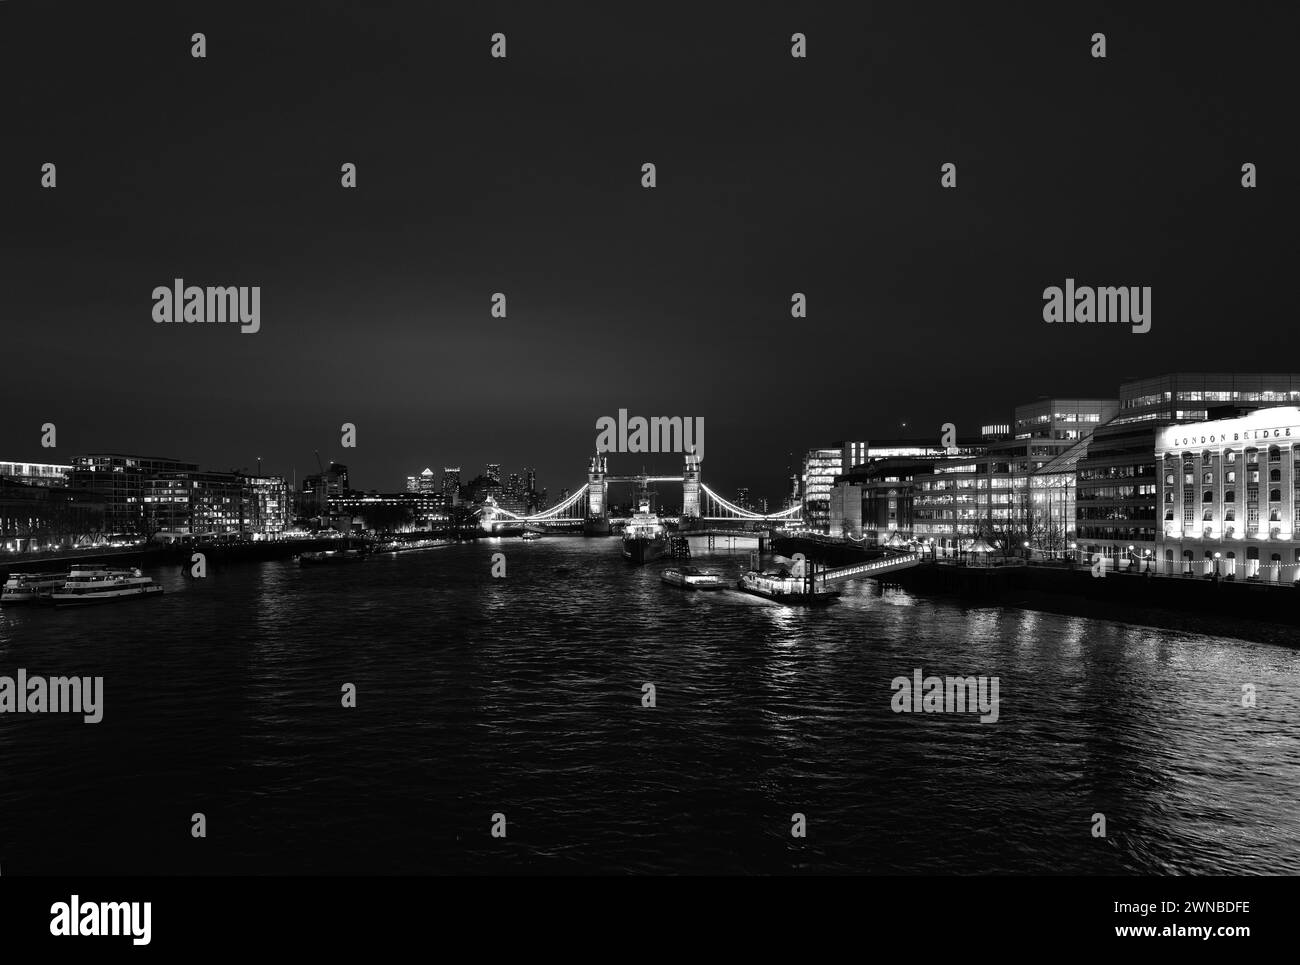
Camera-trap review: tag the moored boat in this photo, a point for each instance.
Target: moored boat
(692, 578)
(324, 557)
(787, 584)
(644, 539)
(98, 584)
(410, 546)
(31, 587)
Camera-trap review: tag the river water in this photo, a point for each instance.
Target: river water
(522, 696)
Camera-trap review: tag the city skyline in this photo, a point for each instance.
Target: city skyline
(377, 302)
(792, 462)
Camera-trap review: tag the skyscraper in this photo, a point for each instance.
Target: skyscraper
(423, 483)
(451, 484)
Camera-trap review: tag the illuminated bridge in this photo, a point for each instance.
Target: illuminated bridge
(589, 506)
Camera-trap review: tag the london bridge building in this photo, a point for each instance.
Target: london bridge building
(1230, 496)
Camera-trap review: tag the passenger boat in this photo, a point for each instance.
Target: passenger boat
(531, 534)
(644, 539)
(692, 578)
(98, 584)
(31, 587)
(786, 584)
(324, 557)
(410, 546)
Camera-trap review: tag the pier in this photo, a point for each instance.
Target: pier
(876, 568)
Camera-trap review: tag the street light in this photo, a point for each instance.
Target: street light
(1216, 564)
(1130, 555)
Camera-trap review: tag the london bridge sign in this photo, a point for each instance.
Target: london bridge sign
(1266, 424)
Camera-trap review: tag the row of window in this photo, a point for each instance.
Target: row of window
(1229, 477)
(1229, 496)
(1229, 456)
(1117, 472)
(1117, 492)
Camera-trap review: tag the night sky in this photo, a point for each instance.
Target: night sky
(476, 175)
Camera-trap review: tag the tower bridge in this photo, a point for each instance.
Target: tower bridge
(702, 508)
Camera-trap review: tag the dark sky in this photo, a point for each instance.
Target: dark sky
(523, 176)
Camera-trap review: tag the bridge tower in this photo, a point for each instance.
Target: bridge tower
(691, 487)
(597, 487)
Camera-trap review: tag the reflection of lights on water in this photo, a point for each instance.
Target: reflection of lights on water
(1072, 638)
(782, 617)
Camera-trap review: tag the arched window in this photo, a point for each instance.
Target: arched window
(1230, 456)
(1169, 516)
(1275, 475)
(1229, 515)
(1273, 517)
(1169, 479)
(1207, 496)
(1207, 479)
(1275, 495)
(1274, 454)
(1230, 476)
(1208, 516)
(1205, 458)
(1230, 496)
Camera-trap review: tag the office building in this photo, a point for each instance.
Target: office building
(1191, 396)
(1020, 490)
(451, 485)
(35, 473)
(119, 481)
(1229, 496)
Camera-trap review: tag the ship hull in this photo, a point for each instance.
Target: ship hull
(675, 578)
(107, 596)
(641, 551)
